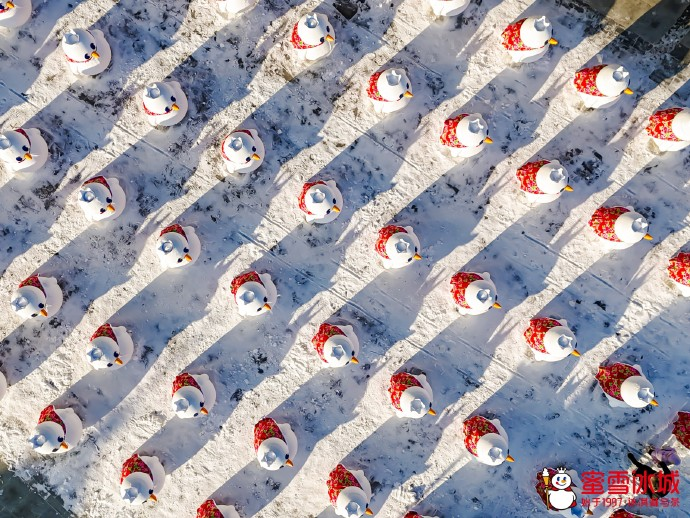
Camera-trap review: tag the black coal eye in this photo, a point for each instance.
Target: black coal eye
(110, 365)
(25, 148)
(415, 249)
(179, 260)
(258, 309)
(328, 211)
(117, 355)
(93, 46)
(102, 211)
(254, 149)
(19, 159)
(34, 315)
(248, 159)
(201, 404)
(408, 86)
(410, 259)
(353, 353)
(430, 405)
(150, 491)
(41, 305)
(54, 450)
(265, 299)
(167, 109)
(287, 455)
(108, 200)
(328, 29)
(196, 414)
(173, 99)
(87, 56)
(322, 40)
(333, 200)
(186, 250)
(400, 96)
(60, 439)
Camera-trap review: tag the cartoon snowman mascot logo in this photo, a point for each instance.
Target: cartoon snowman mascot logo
(560, 493)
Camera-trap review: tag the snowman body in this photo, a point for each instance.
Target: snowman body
(397, 246)
(625, 386)
(37, 297)
(57, 431)
(110, 347)
(448, 7)
(210, 509)
(411, 395)
(465, 135)
(474, 293)
(23, 150)
(242, 151)
(551, 340)
(275, 444)
(141, 479)
(193, 395)
(349, 492)
(619, 227)
(389, 90)
(101, 198)
(178, 246)
(14, 13)
(164, 103)
(679, 272)
(543, 181)
(3, 385)
(528, 39)
(87, 52)
(670, 129)
(602, 85)
(486, 440)
(321, 201)
(313, 37)
(254, 293)
(234, 8)
(336, 345)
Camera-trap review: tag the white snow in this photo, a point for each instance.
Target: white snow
(316, 123)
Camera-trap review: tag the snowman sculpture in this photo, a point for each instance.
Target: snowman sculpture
(448, 7)
(101, 198)
(389, 90)
(57, 431)
(681, 428)
(528, 39)
(551, 340)
(210, 509)
(397, 246)
(193, 395)
(86, 51)
(486, 440)
(3, 385)
(602, 85)
(411, 395)
(415, 514)
(465, 135)
(320, 201)
(313, 37)
(37, 297)
(110, 347)
(242, 151)
(619, 227)
(178, 246)
(349, 492)
(23, 150)
(625, 385)
(543, 181)
(141, 479)
(164, 102)
(474, 293)
(555, 487)
(14, 13)
(234, 8)
(275, 444)
(679, 272)
(336, 345)
(670, 129)
(254, 293)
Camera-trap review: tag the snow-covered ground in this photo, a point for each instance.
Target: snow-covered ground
(316, 123)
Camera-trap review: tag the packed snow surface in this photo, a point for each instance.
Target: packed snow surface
(316, 123)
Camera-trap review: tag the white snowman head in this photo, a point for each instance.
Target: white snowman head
(137, 488)
(416, 402)
(48, 437)
(631, 227)
(552, 178)
(104, 353)
(473, 130)
(173, 250)
(560, 341)
(680, 125)
(189, 402)
(561, 480)
(79, 46)
(339, 351)
(29, 302)
(638, 392)
(15, 147)
(352, 502)
(536, 32)
(252, 298)
(315, 29)
(239, 148)
(613, 80)
(159, 98)
(273, 454)
(481, 295)
(401, 248)
(493, 448)
(96, 199)
(393, 84)
(320, 200)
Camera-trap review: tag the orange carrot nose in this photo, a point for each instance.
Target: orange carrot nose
(336, 208)
(153, 497)
(9, 5)
(628, 91)
(654, 402)
(553, 41)
(44, 313)
(175, 107)
(110, 207)
(188, 258)
(267, 306)
(497, 305)
(417, 257)
(27, 156)
(509, 458)
(488, 140)
(568, 188)
(119, 361)
(256, 157)
(330, 38)
(648, 237)
(289, 463)
(95, 54)
(354, 360)
(64, 445)
(408, 94)
(432, 411)
(369, 512)
(204, 410)
(576, 353)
